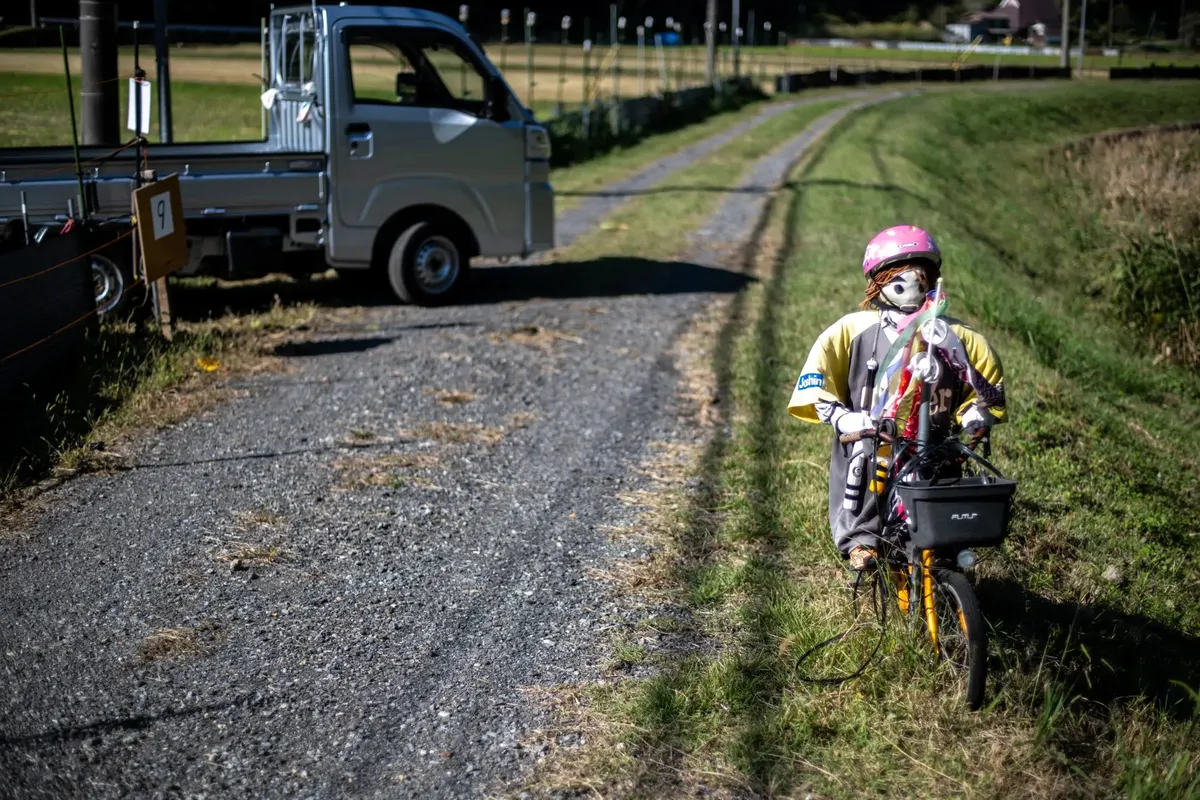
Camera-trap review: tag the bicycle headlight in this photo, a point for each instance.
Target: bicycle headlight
(966, 559)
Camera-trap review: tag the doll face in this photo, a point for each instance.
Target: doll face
(906, 291)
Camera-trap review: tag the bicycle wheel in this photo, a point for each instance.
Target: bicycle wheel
(962, 638)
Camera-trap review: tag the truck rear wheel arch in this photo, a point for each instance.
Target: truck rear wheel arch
(404, 219)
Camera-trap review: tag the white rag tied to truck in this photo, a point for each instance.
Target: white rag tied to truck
(394, 149)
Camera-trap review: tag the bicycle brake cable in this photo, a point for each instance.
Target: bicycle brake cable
(880, 604)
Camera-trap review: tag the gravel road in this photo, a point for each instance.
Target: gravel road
(337, 582)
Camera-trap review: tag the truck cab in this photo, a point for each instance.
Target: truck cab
(432, 159)
(394, 147)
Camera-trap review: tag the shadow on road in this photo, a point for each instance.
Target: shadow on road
(331, 347)
(135, 722)
(604, 277)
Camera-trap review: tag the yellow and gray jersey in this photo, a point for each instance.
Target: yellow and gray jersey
(835, 376)
(836, 368)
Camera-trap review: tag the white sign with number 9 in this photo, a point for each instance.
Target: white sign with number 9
(160, 215)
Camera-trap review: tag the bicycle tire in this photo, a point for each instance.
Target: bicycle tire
(955, 588)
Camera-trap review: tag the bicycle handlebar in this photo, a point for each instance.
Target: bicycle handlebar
(858, 436)
(872, 433)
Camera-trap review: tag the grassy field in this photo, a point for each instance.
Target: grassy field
(558, 71)
(1095, 601)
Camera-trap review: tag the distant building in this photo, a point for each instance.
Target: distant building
(1033, 21)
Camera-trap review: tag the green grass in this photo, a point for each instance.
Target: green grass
(656, 224)
(1083, 699)
(36, 113)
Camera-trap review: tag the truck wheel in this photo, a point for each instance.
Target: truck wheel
(425, 266)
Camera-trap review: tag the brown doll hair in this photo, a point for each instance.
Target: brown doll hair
(927, 270)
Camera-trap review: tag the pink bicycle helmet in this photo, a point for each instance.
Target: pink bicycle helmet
(897, 244)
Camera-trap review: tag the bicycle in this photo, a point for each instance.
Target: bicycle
(932, 513)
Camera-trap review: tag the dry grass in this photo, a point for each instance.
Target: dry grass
(536, 336)
(1155, 177)
(1146, 189)
(242, 554)
(451, 397)
(166, 643)
(520, 420)
(257, 519)
(389, 471)
(458, 433)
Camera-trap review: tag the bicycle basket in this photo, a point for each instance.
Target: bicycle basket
(969, 512)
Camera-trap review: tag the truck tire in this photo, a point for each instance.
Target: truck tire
(425, 266)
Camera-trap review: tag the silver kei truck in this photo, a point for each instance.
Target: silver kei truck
(395, 148)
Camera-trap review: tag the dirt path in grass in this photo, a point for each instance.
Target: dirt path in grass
(343, 580)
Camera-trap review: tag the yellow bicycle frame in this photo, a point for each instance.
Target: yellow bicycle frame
(927, 590)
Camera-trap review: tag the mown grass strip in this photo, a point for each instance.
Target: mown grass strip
(1092, 678)
(655, 225)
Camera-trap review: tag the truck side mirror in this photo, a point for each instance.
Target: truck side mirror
(406, 87)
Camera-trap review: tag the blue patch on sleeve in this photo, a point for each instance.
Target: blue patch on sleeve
(810, 380)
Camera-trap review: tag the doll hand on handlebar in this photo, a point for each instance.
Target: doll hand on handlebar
(853, 422)
(977, 418)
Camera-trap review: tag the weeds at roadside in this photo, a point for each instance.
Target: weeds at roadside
(127, 378)
(1139, 202)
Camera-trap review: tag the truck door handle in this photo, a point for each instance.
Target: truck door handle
(360, 139)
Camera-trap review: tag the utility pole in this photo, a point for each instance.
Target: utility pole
(1065, 63)
(33, 13)
(710, 41)
(99, 95)
(1111, 3)
(737, 37)
(161, 56)
(1083, 4)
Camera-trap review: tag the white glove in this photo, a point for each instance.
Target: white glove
(976, 418)
(853, 422)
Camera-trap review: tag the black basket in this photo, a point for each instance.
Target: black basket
(969, 512)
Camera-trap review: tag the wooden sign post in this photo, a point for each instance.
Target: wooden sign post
(158, 211)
